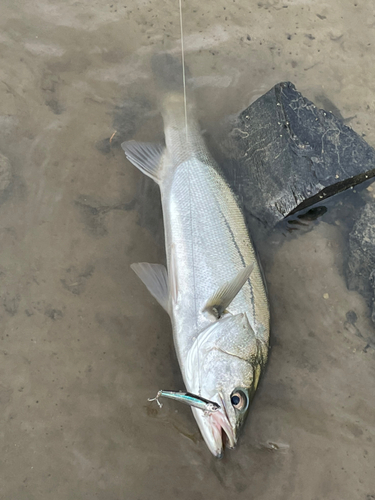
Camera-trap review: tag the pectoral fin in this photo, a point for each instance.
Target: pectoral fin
(217, 304)
(155, 277)
(145, 156)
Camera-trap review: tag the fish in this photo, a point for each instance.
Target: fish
(213, 287)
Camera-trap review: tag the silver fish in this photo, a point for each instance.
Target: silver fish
(213, 289)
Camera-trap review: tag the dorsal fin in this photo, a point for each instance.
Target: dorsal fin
(221, 299)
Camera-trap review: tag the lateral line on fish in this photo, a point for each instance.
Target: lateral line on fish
(183, 67)
(242, 260)
(186, 132)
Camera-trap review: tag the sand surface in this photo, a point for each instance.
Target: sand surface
(83, 344)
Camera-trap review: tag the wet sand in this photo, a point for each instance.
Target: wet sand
(83, 344)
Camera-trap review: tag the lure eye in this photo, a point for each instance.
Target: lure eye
(238, 400)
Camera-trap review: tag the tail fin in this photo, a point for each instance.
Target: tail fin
(168, 74)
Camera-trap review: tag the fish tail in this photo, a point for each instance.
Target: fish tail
(177, 109)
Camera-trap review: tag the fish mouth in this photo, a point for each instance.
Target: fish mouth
(216, 430)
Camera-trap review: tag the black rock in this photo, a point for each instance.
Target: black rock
(360, 266)
(283, 154)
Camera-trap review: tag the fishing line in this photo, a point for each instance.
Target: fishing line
(183, 67)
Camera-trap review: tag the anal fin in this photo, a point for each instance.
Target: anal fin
(155, 278)
(217, 304)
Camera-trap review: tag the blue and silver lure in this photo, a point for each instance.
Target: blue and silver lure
(189, 399)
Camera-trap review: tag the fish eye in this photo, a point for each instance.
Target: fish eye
(238, 400)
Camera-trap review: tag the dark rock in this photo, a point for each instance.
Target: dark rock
(360, 267)
(283, 154)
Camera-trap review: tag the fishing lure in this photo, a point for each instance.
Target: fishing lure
(189, 399)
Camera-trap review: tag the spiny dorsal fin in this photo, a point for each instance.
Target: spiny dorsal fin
(217, 304)
(155, 277)
(145, 156)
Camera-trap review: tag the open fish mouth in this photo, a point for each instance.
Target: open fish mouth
(222, 430)
(216, 430)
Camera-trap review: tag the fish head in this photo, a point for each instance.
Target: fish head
(227, 364)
